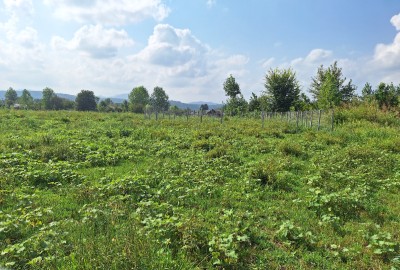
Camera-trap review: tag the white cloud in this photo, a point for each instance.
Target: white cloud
(211, 3)
(117, 12)
(24, 7)
(267, 64)
(169, 47)
(396, 21)
(388, 55)
(95, 41)
(173, 58)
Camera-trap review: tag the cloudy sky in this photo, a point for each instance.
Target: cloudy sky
(189, 47)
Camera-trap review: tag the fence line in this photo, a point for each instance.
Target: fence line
(314, 119)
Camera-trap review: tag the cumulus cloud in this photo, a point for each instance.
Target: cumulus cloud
(117, 12)
(168, 46)
(173, 58)
(95, 41)
(396, 21)
(388, 55)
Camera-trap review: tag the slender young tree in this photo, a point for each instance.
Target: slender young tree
(330, 83)
(26, 99)
(159, 99)
(231, 87)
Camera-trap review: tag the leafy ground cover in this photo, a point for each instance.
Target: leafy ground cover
(117, 191)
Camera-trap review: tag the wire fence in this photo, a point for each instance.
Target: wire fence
(314, 119)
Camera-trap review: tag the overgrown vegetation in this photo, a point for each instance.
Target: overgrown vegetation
(84, 190)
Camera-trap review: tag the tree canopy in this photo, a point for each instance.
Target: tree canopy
(159, 99)
(26, 99)
(86, 101)
(138, 99)
(328, 87)
(282, 88)
(11, 97)
(231, 87)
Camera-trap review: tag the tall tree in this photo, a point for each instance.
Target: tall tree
(231, 87)
(86, 101)
(282, 88)
(26, 99)
(11, 97)
(330, 83)
(138, 99)
(48, 98)
(159, 99)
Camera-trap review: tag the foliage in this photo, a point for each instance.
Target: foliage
(11, 97)
(231, 87)
(26, 99)
(86, 101)
(367, 92)
(236, 106)
(203, 107)
(48, 99)
(387, 95)
(91, 190)
(329, 88)
(254, 103)
(282, 88)
(159, 99)
(138, 99)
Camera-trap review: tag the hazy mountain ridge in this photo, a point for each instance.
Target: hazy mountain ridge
(120, 98)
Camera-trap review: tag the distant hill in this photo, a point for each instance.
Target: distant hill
(120, 98)
(181, 105)
(194, 105)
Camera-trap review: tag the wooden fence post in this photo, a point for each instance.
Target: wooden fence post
(311, 120)
(262, 118)
(319, 120)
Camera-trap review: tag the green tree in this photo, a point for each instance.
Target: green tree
(254, 103)
(11, 97)
(231, 87)
(159, 99)
(48, 98)
(26, 99)
(106, 105)
(86, 101)
(367, 92)
(236, 106)
(329, 83)
(387, 95)
(138, 99)
(283, 89)
(203, 107)
(125, 105)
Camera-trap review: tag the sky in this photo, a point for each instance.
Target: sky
(190, 47)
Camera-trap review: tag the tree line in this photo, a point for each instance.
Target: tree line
(139, 101)
(282, 93)
(329, 88)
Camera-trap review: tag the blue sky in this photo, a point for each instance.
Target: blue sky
(190, 47)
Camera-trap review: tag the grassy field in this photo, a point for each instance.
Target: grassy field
(117, 191)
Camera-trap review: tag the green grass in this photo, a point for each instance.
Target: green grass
(117, 191)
